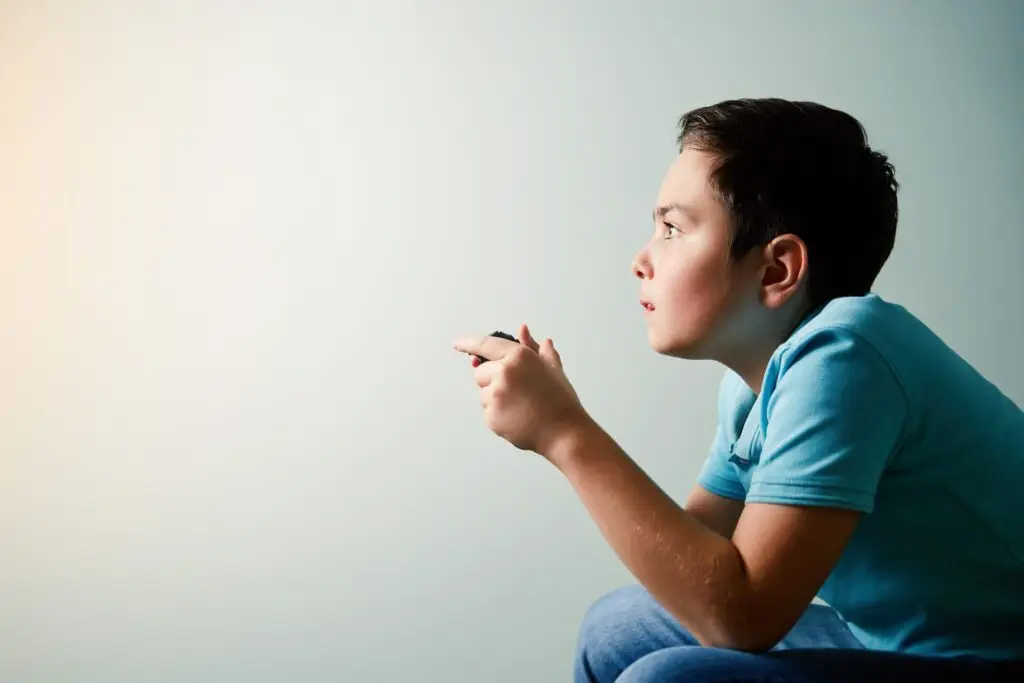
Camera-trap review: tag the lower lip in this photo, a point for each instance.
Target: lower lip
(648, 309)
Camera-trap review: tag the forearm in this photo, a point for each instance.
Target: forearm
(695, 573)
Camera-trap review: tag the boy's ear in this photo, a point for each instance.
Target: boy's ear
(785, 269)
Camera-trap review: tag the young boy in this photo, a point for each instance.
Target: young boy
(857, 458)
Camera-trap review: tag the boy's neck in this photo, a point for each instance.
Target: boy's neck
(753, 364)
(751, 361)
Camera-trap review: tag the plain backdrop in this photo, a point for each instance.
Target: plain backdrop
(237, 240)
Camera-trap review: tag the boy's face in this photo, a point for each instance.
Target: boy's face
(698, 301)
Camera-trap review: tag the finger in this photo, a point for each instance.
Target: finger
(550, 354)
(491, 348)
(486, 396)
(527, 339)
(485, 373)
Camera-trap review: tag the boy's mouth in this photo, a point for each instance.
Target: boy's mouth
(648, 306)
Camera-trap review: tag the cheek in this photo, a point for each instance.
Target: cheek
(696, 286)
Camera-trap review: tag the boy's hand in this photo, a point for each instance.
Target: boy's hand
(527, 399)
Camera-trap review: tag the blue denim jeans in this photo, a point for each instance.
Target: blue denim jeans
(626, 637)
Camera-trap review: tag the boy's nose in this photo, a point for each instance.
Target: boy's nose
(641, 267)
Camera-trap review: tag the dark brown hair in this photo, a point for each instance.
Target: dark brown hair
(805, 169)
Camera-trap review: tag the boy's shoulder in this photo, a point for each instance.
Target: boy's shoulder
(856, 335)
(849, 353)
(860, 320)
(855, 354)
(851, 334)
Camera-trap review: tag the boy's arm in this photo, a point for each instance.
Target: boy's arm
(718, 513)
(742, 593)
(834, 413)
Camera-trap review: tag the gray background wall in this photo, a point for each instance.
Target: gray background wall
(238, 239)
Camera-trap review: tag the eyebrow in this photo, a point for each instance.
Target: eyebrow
(675, 206)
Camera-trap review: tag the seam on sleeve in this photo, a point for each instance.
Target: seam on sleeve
(809, 492)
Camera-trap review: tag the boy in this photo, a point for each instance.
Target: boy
(857, 458)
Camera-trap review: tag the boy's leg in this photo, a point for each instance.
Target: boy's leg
(619, 629)
(689, 664)
(626, 625)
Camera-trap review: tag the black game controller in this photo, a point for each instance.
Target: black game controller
(502, 335)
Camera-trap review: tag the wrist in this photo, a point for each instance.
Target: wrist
(570, 440)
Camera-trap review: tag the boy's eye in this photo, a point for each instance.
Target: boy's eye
(670, 229)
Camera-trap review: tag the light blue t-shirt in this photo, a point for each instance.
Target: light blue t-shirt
(865, 408)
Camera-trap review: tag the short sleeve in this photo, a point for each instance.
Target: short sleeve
(833, 415)
(718, 475)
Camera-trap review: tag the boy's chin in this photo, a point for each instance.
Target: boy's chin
(683, 348)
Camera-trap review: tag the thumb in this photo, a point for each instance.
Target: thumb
(527, 338)
(549, 353)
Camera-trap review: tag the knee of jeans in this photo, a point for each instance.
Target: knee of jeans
(646, 670)
(690, 663)
(608, 632)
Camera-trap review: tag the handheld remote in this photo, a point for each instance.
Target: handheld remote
(502, 335)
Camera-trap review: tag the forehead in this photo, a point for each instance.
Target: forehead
(686, 180)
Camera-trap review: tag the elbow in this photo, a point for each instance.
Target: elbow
(742, 633)
(730, 615)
